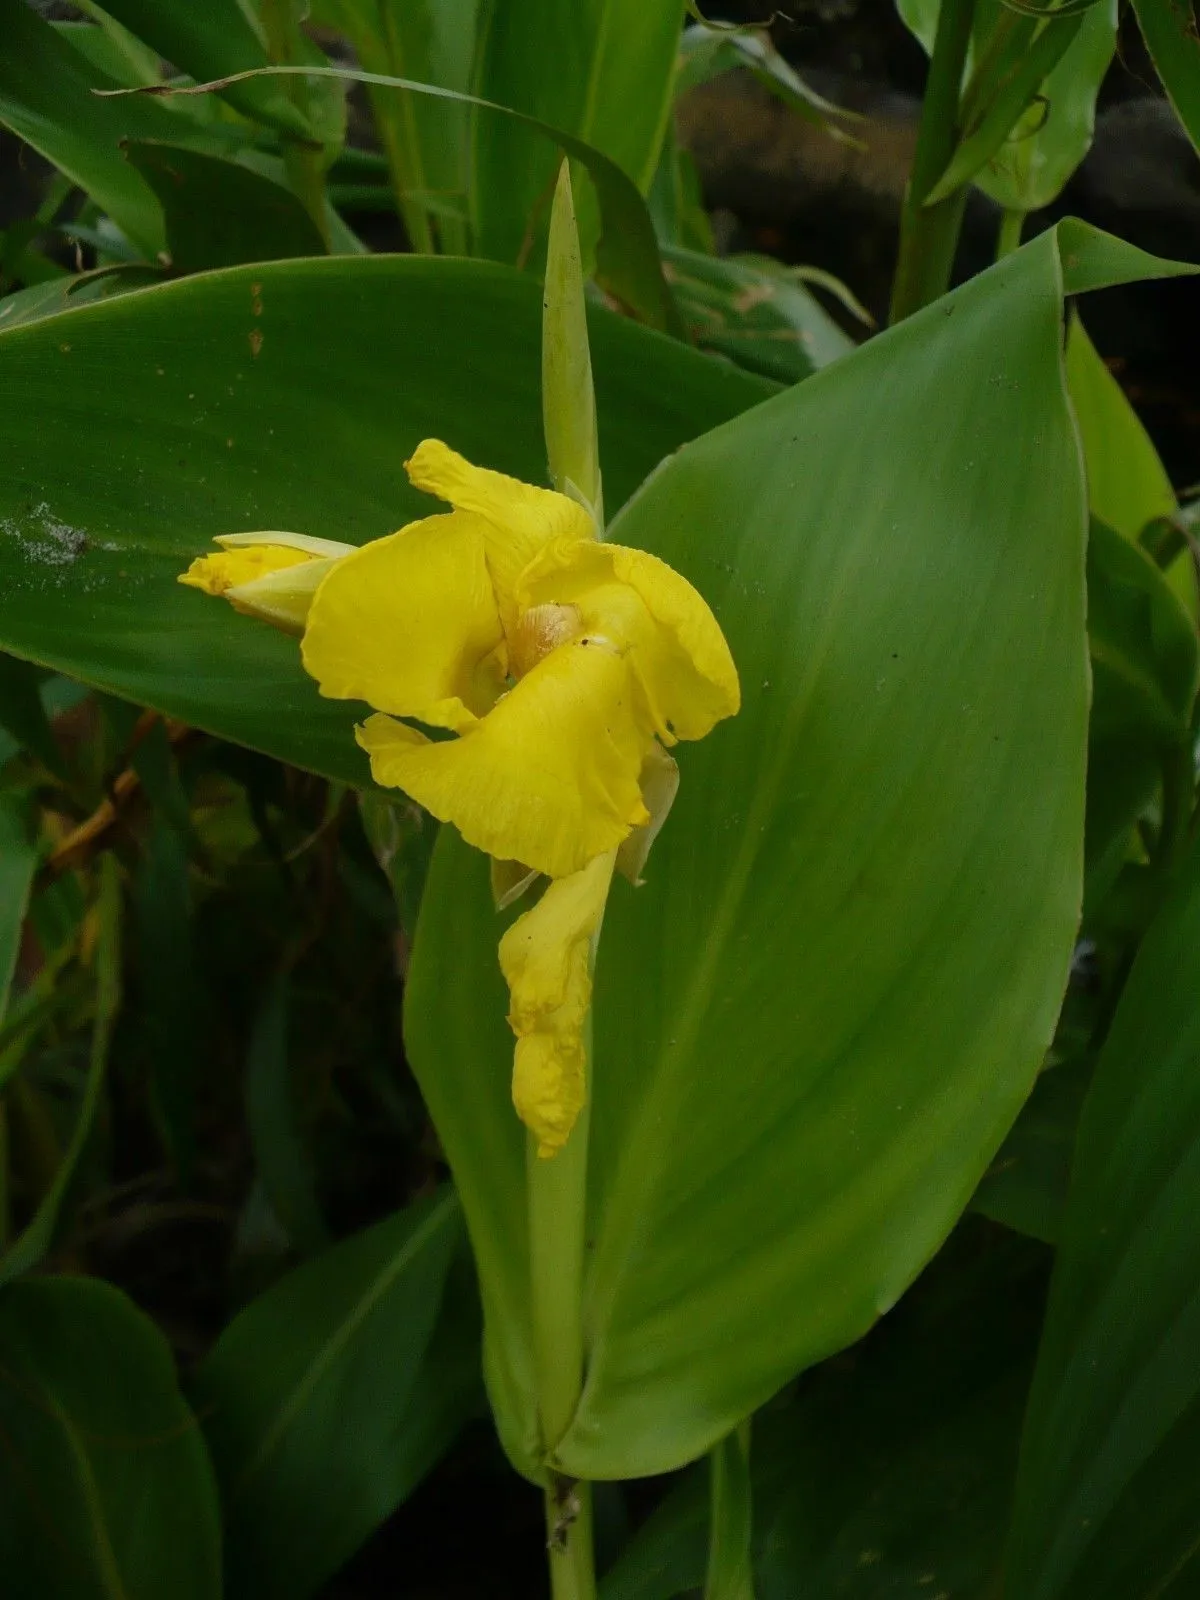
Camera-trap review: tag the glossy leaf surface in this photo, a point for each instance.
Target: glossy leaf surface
(318, 1404)
(285, 395)
(1169, 29)
(1106, 1503)
(105, 1485)
(816, 1022)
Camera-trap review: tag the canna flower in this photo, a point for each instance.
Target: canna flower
(556, 664)
(554, 672)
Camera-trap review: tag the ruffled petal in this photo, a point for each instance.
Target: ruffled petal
(409, 624)
(675, 643)
(549, 777)
(546, 960)
(520, 517)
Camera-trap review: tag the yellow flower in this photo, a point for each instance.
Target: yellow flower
(555, 661)
(272, 576)
(557, 670)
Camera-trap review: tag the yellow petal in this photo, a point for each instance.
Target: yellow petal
(546, 960)
(308, 543)
(659, 783)
(549, 777)
(520, 518)
(228, 569)
(409, 624)
(283, 597)
(675, 643)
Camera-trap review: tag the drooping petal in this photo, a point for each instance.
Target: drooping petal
(675, 643)
(409, 624)
(546, 960)
(549, 777)
(520, 517)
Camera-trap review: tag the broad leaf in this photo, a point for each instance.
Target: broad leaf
(818, 1019)
(600, 69)
(888, 1473)
(105, 1485)
(321, 1406)
(284, 395)
(1107, 1504)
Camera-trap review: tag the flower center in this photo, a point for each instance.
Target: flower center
(540, 630)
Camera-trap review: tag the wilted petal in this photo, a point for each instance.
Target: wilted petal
(549, 777)
(409, 624)
(546, 959)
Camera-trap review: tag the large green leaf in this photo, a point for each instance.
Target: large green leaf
(286, 395)
(1108, 1501)
(601, 69)
(818, 1019)
(105, 1486)
(320, 1406)
(889, 1473)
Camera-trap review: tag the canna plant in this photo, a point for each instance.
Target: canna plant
(866, 726)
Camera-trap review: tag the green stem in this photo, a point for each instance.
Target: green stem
(395, 114)
(929, 234)
(569, 1541)
(302, 162)
(1009, 237)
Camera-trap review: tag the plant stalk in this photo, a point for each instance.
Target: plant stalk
(929, 234)
(301, 162)
(1009, 237)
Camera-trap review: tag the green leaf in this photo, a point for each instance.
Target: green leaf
(1026, 1185)
(760, 317)
(1047, 145)
(46, 99)
(284, 1163)
(105, 1486)
(427, 142)
(18, 861)
(887, 1473)
(211, 41)
(1007, 105)
(38, 1235)
(1106, 1498)
(708, 52)
(22, 714)
(283, 395)
(1169, 29)
(324, 1405)
(219, 214)
(571, 66)
(819, 1018)
(1127, 483)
